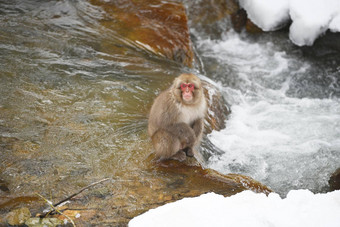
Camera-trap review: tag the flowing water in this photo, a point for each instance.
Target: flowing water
(284, 129)
(74, 100)
(75, 97)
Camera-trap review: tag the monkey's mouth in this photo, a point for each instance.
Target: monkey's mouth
(187, 96)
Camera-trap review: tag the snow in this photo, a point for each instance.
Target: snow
(310, 18)
(299, 208)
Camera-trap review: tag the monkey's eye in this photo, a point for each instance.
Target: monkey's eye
(190, 86)
(183, 86)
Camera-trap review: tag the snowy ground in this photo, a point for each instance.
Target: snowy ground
(310, 18)
(299, 208)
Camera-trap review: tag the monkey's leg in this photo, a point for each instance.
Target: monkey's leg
(184, 132)
(166, 144)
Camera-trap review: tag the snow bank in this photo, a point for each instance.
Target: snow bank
(310, 18)
(300, 208)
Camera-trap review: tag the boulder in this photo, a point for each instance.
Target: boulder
(155, 26)
(217, 108)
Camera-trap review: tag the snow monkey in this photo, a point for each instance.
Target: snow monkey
(176, 118)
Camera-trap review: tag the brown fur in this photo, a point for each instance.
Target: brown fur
(176, 126)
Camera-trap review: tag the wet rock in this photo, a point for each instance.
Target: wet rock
(217, 108)
(207, 12)
(84, 215)
(252, 28)
(205, 180)
(18, 216)
(207, 16)
(155, 26)
(239, 20)
(14, 202)
(3, 186)
(43, 222)
(334, 181)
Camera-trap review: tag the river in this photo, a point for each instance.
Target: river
(75, 98)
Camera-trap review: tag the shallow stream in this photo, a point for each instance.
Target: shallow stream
(74, 102)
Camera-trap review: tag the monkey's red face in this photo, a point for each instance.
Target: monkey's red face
(187, 91)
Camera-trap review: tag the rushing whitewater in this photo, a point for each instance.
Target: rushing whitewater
(285, 122)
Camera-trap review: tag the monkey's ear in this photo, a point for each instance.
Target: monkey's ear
(197, 85)
(177, 83)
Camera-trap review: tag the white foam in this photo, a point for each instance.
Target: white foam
(285, 142)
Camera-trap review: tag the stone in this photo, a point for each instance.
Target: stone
(334, 180)
(155, 26)
(252, 28)
(43, 222)
(239, 20)
(217, 108)
(18, 216)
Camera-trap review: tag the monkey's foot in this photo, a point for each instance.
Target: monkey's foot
(179, 156)
(188, 151)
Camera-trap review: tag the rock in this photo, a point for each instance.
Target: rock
(239, 20)
(252, 28)
(207, 12)
(18, 216)
(43, 222)
(155, 26)
(217, 108)
(334, 181)
(201, 180)
(3, 186)
(84, 215)
(207, 16)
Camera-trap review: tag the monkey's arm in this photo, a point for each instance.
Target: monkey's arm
(197, 126)
(183, 132)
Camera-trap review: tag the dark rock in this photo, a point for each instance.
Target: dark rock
(252, 28)
(3, 186)
(334, 181)
(239, 20)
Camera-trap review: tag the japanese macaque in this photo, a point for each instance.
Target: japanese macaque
(176, 119)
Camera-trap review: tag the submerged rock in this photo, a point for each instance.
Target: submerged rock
(155, 26)
(18, 216)
(43, 222)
